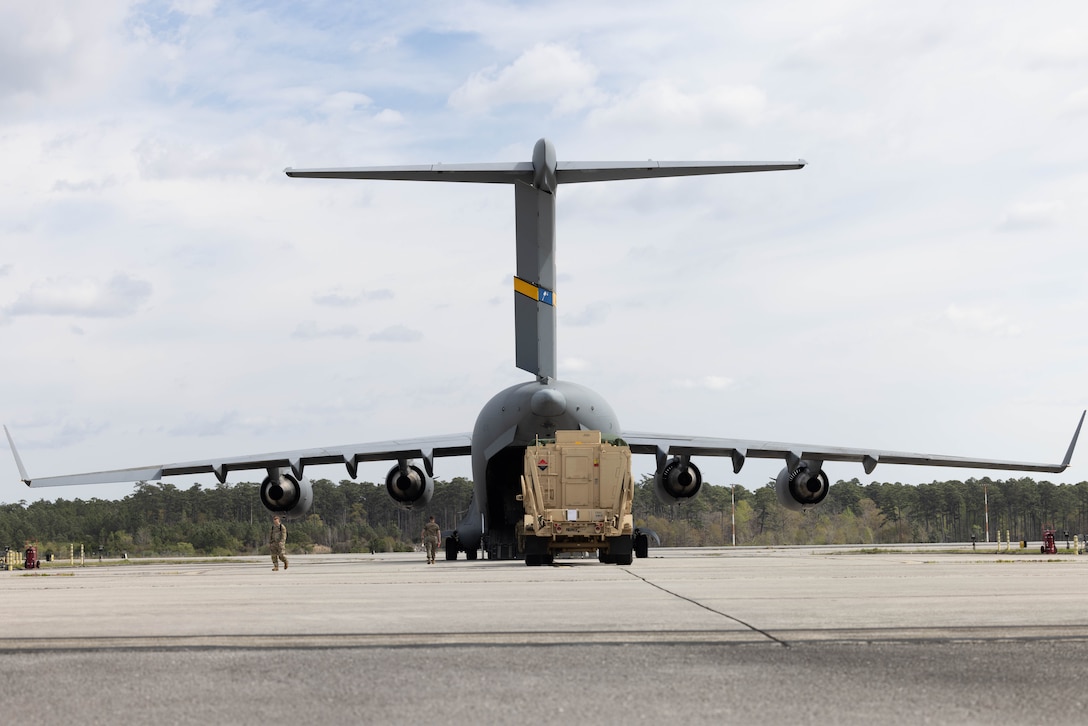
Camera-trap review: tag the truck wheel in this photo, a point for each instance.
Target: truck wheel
(622, 559)
(642, 546)
(451, 548)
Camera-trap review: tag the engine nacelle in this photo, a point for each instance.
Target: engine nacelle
(676, 481)
(410, 488)
(287, 496)
(802, 487)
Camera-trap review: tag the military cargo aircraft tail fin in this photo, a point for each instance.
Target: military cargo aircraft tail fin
(535, 183)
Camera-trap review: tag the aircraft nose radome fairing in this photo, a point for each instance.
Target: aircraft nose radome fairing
(516, 417)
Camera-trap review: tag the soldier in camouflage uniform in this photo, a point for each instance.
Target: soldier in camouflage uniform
(277, 544)
(431, 535)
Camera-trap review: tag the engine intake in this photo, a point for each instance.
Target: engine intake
(285, 495)
(802, 487)
(677, 480)
(409, 486)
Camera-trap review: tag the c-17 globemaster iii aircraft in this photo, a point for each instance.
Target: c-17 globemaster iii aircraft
(524, 414)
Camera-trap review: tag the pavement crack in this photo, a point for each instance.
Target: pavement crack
(727, 616)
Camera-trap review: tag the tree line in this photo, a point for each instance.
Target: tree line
(874, 513)
(159, 519)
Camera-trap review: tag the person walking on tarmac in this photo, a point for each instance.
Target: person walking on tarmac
(277, 543)
(431, 535)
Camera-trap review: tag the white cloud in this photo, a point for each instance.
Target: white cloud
(1076, 103)
(310, 330)
(202, 8)
(162, 158)
(340, 299)
(660, 104)
(63, 48)
(1031, 216)
(85, 185)
(547, 73)
(345, 101)
(396, 334)
(574, 365)
(588, 315)
(707, 383)
(980, 319)
(389, 117)
(119, 296)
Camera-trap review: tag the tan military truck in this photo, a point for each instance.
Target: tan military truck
(577, 492)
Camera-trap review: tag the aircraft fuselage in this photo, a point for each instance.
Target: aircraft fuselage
(510, 421)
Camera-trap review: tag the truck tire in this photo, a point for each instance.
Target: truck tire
(451, 548)
(642, 546)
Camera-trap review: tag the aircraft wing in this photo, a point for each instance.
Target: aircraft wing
(739, 450)
(350, 456)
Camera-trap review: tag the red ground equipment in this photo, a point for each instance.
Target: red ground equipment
(1048, 548)
(32, 562)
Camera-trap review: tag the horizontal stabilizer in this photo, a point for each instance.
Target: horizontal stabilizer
(566, 172)
(581, 171)
(479, 173)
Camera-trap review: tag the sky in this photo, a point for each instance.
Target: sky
(168, 294)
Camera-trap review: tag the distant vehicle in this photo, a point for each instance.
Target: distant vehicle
(1049, 547)
(520, 415)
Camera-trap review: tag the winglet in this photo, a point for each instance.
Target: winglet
(1065, 461)
(19, 462)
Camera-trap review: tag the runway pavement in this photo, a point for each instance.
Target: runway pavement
(798, 635)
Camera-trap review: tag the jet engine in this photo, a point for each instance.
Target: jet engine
(409, 486)
(802, 487)
(286, 495)
(677, 480)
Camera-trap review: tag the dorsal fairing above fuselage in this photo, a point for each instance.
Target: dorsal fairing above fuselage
(544, 164)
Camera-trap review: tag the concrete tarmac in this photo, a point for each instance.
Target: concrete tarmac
(797, 635)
